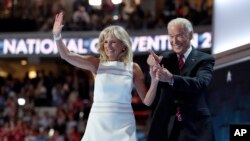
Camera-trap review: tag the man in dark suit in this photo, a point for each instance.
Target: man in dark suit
(181, 112)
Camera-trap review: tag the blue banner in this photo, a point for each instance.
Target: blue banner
(10, 47)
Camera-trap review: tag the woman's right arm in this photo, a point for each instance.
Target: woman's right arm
(85, 62)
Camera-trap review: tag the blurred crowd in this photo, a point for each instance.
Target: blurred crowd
(39, 15)
(68, 100)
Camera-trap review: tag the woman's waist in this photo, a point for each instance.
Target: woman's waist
(112, 99)
(111, 107)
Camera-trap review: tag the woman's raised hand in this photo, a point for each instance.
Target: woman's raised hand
(57, 28)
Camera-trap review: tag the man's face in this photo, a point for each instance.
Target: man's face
(179, 39)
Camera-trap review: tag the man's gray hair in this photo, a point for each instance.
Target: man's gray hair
(186, 24)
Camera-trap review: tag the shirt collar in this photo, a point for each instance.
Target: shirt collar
(187, 52)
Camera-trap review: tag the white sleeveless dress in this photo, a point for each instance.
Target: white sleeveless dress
(111, 117)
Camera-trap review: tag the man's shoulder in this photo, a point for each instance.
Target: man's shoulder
(202, 54)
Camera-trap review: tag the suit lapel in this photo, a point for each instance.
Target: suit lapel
(190, 61)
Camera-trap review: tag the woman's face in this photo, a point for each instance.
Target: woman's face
(113, 48)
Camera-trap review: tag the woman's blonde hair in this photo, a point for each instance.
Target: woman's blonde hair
(121, 34)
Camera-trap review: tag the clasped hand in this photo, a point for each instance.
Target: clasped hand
(156, 70)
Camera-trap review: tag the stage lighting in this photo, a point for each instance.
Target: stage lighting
(95, 2)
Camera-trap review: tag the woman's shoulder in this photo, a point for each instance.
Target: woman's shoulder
(135, 65)
(136, 68)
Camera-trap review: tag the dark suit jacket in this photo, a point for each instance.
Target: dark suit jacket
(187, 93)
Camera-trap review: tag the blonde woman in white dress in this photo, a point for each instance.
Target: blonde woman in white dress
(111, 117)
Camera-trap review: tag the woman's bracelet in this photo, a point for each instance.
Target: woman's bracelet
(57, 36)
